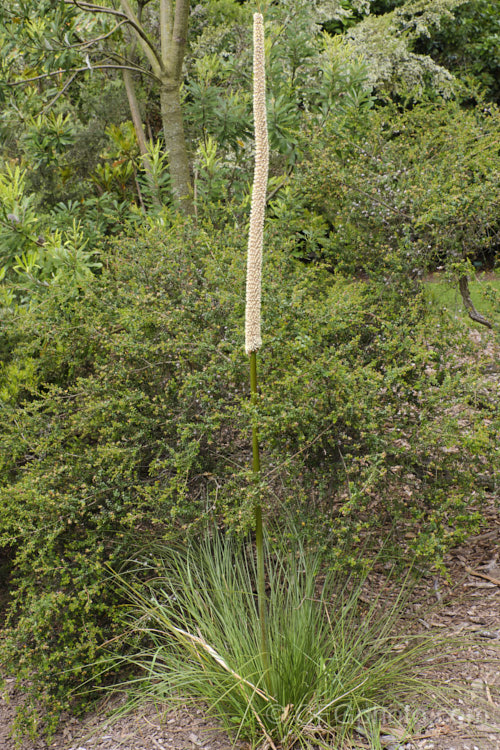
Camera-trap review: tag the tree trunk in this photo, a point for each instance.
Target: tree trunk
(175, 142)
(139, 133)
(166, 64)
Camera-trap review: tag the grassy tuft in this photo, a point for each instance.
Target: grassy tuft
(340, 662)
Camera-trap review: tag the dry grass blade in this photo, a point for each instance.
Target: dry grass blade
(213, 653)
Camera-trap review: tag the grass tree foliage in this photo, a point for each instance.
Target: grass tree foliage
(334, 664)
(125, 412)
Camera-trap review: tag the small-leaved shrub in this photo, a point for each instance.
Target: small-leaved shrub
(404, 189)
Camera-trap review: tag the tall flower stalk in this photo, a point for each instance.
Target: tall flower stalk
(253, 291)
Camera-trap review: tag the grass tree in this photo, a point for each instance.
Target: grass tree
(253, 291)
(310, 666)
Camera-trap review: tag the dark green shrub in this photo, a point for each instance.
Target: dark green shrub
(124, 420)
(468, 44)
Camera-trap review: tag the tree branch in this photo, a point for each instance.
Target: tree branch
(90, 42)
(136, 68)
(131, 18)
(179, 36)
(90, 7)
(59, 93)
(463, 285)
(143, 39)
(166, 28)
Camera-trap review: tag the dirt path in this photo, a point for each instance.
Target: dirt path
(471, 604)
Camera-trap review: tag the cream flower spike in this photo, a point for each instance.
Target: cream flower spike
(257, 212)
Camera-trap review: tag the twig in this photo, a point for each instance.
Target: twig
(381, 202)
(59, 93)
(90, 42)
(304, 448)
(476, 573)
(463, 285)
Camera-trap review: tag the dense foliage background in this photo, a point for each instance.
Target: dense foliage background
(123, 381)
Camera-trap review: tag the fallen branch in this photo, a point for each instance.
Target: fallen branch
(472, 572)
